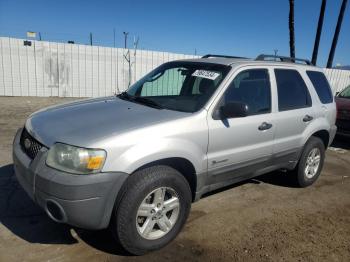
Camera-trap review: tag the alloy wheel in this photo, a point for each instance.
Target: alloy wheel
(157, 213)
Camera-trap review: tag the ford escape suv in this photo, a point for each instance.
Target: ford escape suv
(136, 161)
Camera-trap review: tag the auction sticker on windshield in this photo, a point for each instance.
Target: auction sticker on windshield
(206, 74)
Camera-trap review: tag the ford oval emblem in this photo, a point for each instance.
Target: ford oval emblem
(27, 143)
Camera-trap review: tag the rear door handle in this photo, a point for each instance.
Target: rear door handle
(307, 118)
(264, 126)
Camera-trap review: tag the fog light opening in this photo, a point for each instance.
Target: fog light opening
(55, 211)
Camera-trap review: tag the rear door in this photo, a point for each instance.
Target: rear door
(326, 106)
(294, 114)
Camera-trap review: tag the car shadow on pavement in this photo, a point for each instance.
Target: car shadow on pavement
(341, 142)
(276, 178)
(20, 215)
(102, 240)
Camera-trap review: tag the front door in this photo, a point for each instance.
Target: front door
(242, 145)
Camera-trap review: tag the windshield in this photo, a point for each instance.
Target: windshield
(180, 86)
(345, 93)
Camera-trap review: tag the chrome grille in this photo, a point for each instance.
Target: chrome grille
(29, 144)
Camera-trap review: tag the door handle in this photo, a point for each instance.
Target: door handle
(264, 126)
(307, 118)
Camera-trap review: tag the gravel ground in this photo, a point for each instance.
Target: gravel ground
(265, 219)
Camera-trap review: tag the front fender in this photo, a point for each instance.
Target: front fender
(150, 151)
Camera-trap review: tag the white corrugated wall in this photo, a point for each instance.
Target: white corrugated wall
(70, 70)
(338, 79)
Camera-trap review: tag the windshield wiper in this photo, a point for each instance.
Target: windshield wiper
(141, 100)
(124, 95)
(148, 102)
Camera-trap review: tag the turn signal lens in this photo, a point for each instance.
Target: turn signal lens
(95, 162)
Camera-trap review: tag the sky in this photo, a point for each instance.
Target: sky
(231, 27)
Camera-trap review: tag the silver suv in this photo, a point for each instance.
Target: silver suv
(136, 161)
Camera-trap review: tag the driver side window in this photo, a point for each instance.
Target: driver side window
(251, 87)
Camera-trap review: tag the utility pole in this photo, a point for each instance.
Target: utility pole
(336, 34)
(90, 38)
(291, 29)
(127, 56)
(136, 43)
(125, 38)
(318, 32)
(113, 37)
(275, 51)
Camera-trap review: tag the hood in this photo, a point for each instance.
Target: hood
(83, 123)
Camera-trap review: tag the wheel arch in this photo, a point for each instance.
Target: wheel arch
(323, 135)
(182, 165)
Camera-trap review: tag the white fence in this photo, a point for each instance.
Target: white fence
(70, 70)
(338, 79)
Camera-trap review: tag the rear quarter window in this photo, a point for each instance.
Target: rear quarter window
(321, 85)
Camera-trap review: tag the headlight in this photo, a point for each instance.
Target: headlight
(75, 159)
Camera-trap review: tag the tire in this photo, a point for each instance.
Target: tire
(127, 226)
(303, 177)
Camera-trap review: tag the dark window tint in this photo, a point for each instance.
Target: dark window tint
(253, 88)
(292, 90)
(345, 93)
(321, 85)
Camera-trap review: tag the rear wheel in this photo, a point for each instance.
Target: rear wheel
(154, 206)
(311, 162)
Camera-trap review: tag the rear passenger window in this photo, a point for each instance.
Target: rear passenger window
(292, 90)
(251, 87)
(321, 85)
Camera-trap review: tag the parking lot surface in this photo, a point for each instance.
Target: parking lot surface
(264, 219)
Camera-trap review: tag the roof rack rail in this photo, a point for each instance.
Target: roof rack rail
(264, 57)
(223, 56)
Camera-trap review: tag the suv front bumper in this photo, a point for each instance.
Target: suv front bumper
(84, 201)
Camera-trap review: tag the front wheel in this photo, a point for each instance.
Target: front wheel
(311, 162)
(152, 210)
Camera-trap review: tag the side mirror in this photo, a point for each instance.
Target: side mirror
(337, 93)
(234, 109)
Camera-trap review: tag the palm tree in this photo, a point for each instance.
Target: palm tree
(336, 34)
(291, 29)
(318, 32)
